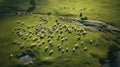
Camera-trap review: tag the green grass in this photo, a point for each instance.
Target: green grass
(57, 59)
(103, 10)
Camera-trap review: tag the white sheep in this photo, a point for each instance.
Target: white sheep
(66, 38)
(74, 50)
(35, 39)
(51, 52)
(67, 49)
(22, 46)
(15, 42)
(50, 43)
(85, 48)
(29, 26)
(46, 48)
(78, 37)
(32, 45)
(58, 45)
(91, 41)
(59, 48)
(63, 51)
(82, 42)
(76, 46)
(22, 23)
(84, 32)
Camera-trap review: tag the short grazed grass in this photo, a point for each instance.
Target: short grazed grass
(103, 10)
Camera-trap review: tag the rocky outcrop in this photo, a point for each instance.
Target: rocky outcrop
(97, 24)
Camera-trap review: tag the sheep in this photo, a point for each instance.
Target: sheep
(29, 26)
(42, 36)
(78, 38)
(58, 37)
(82, 42)
(46, 48)
(38, 41)
(61, 31)
(63, 39)
(57, 22)
(60, 28)
(74, 50)
(66, 29)
(50, 43)
(50, 31)
(67, 49)
(25, 38)
(91, 41)
(62, 36)
(46, 20)
(79, 34)
(39, 44)
(30, 36)
(58, 45)
(43, 31)
(22, 23)
(18, 22)
(27, 34)
(30, 31)
(15, 42)
(79, 30)
(43, 42)
(24, 30)
(63, 51)
(55, 27)
(48, 35)
(69, 30)
(75, 29)
(65, 25)
(13, 30)
(37, 35)
(35, 39)
(59, 48)
(84, 32)
(17, 32)
(22, 46)
(49, 39)
(66, 38)
(18, 43)
(85, 48)
(76, 46)
(52, 36)
(32, 26)
(32, 45)
(51, 52)
(20, 34)
(60, 25)
(19, 28)
(11, 56)
(83, 9)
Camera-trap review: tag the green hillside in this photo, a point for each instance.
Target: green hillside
(59, 33)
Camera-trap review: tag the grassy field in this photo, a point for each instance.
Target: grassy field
(103, 10)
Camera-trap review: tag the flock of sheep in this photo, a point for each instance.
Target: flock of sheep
(39, 35)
